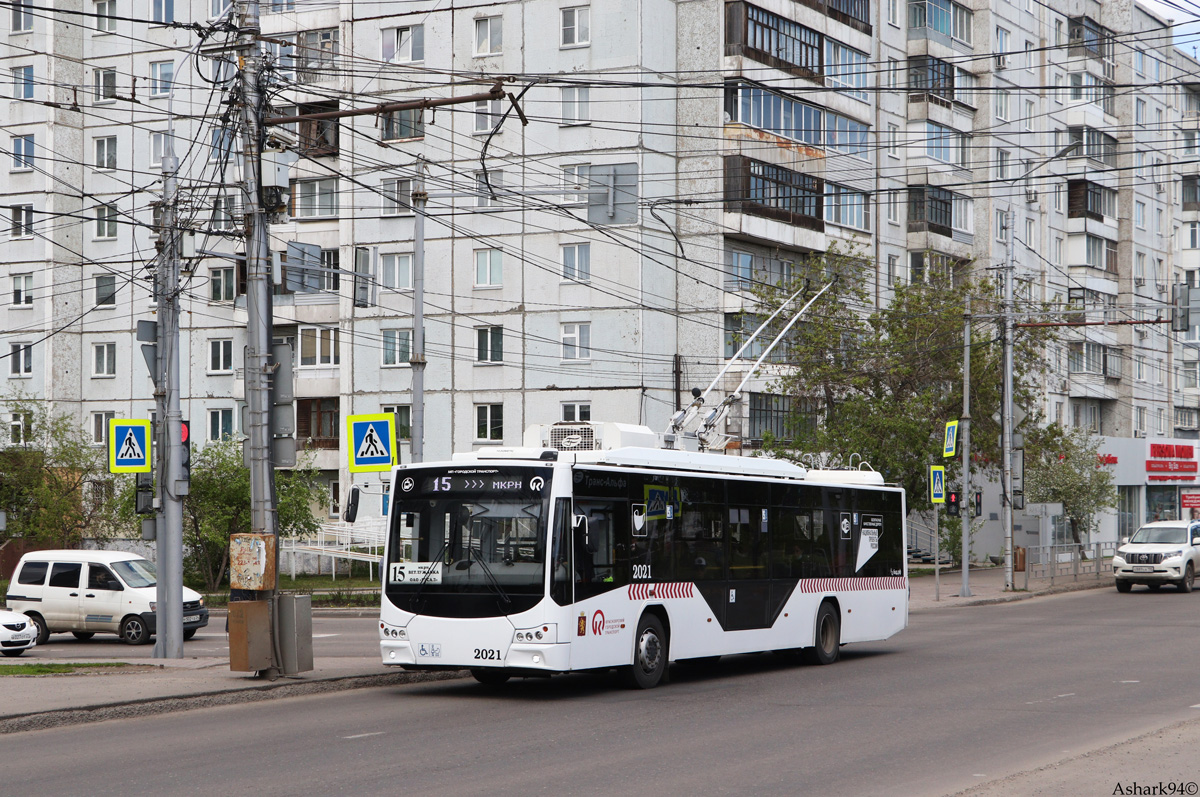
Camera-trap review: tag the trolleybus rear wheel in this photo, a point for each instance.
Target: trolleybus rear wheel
(828, 637)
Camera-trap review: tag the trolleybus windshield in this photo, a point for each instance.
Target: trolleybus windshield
(468, 541)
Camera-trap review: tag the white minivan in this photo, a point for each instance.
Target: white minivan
(91, 592)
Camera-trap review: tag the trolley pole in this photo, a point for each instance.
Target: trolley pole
(263, 518)
(965, 440)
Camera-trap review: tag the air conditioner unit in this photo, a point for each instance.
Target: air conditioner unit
(1139, 280)
(1141, 331)
(1162, 288)
(1001, 61)
(1139, 432)
(1158, 188)
(1031, 196)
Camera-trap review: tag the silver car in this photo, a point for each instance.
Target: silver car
(17, 633)
(1165, 552)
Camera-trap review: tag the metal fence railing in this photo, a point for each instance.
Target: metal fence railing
(361, 542)
(1068, 562)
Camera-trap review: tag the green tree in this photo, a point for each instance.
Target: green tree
(219, 506)
(54, 482)
(882, 382)
(1064, 466)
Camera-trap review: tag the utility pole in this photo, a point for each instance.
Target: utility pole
(417, 357)
(1006, 508)
(169, 532)
(965, 438)
(263, 518)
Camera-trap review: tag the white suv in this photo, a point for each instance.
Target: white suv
(1166, 552)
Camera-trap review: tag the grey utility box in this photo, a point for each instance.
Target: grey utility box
(295, 633)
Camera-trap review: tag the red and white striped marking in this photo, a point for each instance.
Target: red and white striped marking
(852, 584)
(677, 589)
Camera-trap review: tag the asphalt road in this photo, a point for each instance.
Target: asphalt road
(961, 698)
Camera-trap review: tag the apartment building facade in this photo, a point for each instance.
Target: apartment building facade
(591, 258)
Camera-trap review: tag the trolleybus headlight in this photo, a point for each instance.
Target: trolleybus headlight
(543, 633)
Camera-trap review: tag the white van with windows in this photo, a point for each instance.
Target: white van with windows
(94, 592)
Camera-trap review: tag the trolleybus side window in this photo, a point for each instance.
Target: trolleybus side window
(599, 565)
(560, 553)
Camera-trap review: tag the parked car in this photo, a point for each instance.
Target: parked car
(1166, 552)
(17, 633)
(91, 592)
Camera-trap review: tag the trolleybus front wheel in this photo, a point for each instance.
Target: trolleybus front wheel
(828, 636)
(649, 654)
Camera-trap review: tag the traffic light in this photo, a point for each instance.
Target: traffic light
(978, 504)
(185, 467)
(952, 504)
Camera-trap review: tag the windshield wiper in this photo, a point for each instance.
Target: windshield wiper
(438, 559)
(491, 577)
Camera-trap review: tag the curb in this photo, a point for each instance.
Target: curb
(146, 707)
(1020, 596)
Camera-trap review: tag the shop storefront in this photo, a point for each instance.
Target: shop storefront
(1156, 480)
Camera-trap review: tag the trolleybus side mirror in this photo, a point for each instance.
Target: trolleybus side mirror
(351, 505)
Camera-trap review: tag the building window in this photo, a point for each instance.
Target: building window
(575, 412)
(489, 421)
(162, 74)
(220, 356)
(403, 414)
(1101, 253)
(22, 152)
(775, 113)
(575, 182)
(893, 263)
(1139, 215)
(315, 198)
(335, 499)
(20, 428)
(1001, 48)
(945, 144)
(106, 152)
(847, 207)
(22, 293)
(763, 189)
(22, 82)
(1188, 375)
(221, 285)
(100, 426)
(576, 341)
(397, 197)
(1003, 164)
(846, 67)
(1003, 233)
(575, 28)
(400, 125)
(404, 45)
(220, 424)
(104, 359)
(487, 184)
(162, 11)
(105, 85)
(488, 271)
(1095, 144)
(488, 114)
(106, 290)
(397, 346)
(20, 221)
(1002, 102)
(106, 221)
(220, 145)
(489, 36)
(316, 55)
(20, 359)
(575, 105)
(577, 262)
(22, 15)
(396, 271)
(318, 422)
(893, 208)
(893, 134)
(319, 347)
(846, 135)
(330, 274)
(943, 16)
(489, 344)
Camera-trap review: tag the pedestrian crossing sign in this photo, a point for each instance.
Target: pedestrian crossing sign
(372, 441)
(937, 484)
(128, 446)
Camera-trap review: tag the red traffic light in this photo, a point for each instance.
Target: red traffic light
(952, 498)
(184, 432)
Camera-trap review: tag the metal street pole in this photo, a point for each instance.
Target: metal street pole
(937, 553)
(417, 357)
(965, 439)
(1006, 425)
(169, 532)
(263, 519)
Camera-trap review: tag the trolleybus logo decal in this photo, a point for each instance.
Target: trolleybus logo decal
(678, 589)
(407, 484)
(852, 584)
(537, 483)
(598, 623)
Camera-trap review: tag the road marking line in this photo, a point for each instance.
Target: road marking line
(1129, 682)
(1068, 694)
(1195, 706)
(363, 735)
(322, 636)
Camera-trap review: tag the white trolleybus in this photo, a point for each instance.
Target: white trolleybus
(533, 561)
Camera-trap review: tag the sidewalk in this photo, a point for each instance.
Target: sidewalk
(987, 586)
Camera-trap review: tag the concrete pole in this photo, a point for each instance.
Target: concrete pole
(965, 441)
(1006, 427)
(417, 357)
(263, 518)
